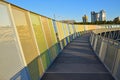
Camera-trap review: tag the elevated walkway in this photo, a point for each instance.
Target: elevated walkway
(77, 62)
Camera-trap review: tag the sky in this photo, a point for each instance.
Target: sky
(70, 9)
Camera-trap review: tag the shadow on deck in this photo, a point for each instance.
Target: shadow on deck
(77, 62)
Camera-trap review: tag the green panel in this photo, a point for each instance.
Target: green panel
(53, 52)
(58, 48)
(45, 59)
(65, 43)
(34, 70)
(61, 45)
(53, 35)
(40, 66)
(68, 39)
(38, 32)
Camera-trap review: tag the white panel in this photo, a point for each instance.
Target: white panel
(103, 49)
(95, 43)
(10, 56)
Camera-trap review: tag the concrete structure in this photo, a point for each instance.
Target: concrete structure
(100, 16)
(85, 19)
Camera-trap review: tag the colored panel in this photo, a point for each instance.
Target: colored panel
(58, 48)
(71, 29)
(53, 35)
(38, 32)
(22, 75)
(25, 34)
(55, 27)
(80, 28)
(61, 45)
(40, 66)
(33, 70)
(68, 39)
(60, 30)
(65, 43)
(46, 31)
(45, 59)
(10, 56)
(91, 27)
(66, 30)
(53, 52)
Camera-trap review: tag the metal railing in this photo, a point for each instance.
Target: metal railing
(108, 51)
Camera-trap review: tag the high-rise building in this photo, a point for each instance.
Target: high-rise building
(100, 16)
(85, 19)
(93, 14)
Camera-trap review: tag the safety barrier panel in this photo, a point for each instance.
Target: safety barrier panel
(29, 42)
(108, 51)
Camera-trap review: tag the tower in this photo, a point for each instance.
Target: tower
(102, 15)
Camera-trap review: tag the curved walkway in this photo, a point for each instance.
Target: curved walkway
(77, 62)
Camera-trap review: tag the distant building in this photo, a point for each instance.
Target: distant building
(85, 19)
(93, 16)
(117, 19)
(100, 16)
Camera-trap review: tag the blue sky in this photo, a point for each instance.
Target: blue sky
(70, 9)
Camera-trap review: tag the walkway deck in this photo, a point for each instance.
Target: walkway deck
(78, 62)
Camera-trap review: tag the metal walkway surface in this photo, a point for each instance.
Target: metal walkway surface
(77, 62)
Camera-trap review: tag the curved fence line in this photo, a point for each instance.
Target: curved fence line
(108, 51)
(29, 42)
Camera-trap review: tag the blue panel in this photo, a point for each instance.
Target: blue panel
(54, 25)
(58, 48)
(71, 38)
(67, 40)
(22, 75)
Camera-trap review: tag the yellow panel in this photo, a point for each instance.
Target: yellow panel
(76, 28)
(38, 32)
(71, 29)
(40, 67)
(91, 27)
(80, 28)
(66, 26)
(46, 30)
(66, 30)
(60, 30)
(53, 35)
(25, 34)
